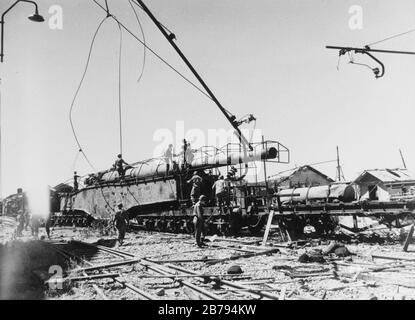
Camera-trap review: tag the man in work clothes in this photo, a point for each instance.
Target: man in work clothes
(121, 223)
(119, 166)
(196, 182)
(35, 224)
(199, 221)
(220, 191)
(168, 157)
(27, 218)
(75, 181)
(189, 155)
(21, 223)
(48, 224)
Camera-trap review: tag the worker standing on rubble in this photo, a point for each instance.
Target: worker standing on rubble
(121, 223)
(48, 224)
(27, 218)
(119, 166)
(196, 182)
(21, 223)
(199, 221)
(34, 225)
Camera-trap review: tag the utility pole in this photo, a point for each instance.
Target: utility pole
(403, 160)
(1, 154)
(339, 174)
(265, 176)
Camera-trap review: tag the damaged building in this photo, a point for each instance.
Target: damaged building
(385, 184)
(301, 177)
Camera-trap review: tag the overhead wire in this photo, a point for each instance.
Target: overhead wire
(120, 25)
(392, 37)
(119, 87)
(75, 161)
(155, 53)
(78, 89)
(311, 164)
(144, 41)
(167, 29)
(158, 56)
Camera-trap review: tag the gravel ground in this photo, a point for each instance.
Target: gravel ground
(355, 277)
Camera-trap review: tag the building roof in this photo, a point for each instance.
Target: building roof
(285, 175)
(387, 175)
(62, 187)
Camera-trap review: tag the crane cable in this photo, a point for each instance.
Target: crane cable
(164, 27)
(119, 87)
(144, 41)
(160, 57)
(79, 88)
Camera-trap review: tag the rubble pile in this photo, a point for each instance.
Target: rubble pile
(315, 269)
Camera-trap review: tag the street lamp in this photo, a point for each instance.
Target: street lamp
(36, 17)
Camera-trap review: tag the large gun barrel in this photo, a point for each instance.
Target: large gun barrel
(202, 160)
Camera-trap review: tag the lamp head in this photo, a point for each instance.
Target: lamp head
(36, 17)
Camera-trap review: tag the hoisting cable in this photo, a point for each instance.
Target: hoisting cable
(75, 160)
(119, 87)
(155, 53)
(106, 6)
(78, 89)
(158, 56)
(167, 29)
(144, 41)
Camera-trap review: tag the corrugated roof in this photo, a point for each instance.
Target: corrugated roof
(388, 175)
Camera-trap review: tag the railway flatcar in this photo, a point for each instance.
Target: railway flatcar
(157, 198)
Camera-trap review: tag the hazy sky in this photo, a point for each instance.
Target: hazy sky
(263, 57)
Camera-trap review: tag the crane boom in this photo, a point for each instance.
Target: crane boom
(170, 37)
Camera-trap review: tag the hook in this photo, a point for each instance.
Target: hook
(379, 73)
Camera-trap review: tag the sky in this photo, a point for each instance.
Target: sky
(265, 57)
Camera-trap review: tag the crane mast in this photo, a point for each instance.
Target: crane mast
(170, 38)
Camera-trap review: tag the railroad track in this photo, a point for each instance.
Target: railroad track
(92, 259)
(96, 264)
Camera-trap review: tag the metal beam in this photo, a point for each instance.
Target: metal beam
(368, 49)
(170, 37)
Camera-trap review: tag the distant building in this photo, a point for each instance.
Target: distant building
(62, 188)
(385, 184)
(301, 177)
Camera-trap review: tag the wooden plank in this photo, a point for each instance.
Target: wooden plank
(232, 284)
(108, 265)
(164, 271)
(155, 276)
(408, 238)
(91, 277)
(248, 255)
(268, 227)
(376, 256)
(387, 281)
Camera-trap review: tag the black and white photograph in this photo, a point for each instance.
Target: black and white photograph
(207, 155)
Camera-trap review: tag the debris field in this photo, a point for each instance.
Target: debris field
(164, 266)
